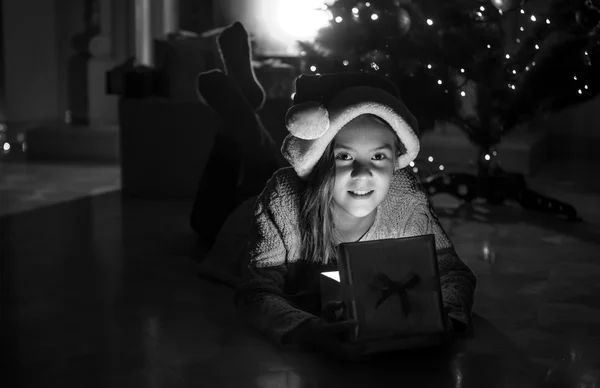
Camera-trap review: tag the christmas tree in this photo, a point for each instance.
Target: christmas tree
(508, 60)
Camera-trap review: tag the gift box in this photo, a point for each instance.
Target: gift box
(392, 289)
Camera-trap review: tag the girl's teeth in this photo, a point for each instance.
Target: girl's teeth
(361, 192)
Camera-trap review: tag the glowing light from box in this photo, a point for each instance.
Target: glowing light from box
(297, 19)
(335, 275)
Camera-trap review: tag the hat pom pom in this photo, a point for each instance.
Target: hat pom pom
(308, 120)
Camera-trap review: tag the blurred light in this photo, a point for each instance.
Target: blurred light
(463, 93)
(345, 62)
(338, 19)
(368, 4)
(488, 46)
(518, 40)
(537, 47)
(585, 53)
(374, 66)
(439, 81)
(507, 56)
(412, 164)
(547, 21)
(533, 63)
(24, 147)
(21, 137)
(415, 169)
(585, 86)
(533, 18)
(479, 14)
(297, 19)
(522, 29)
(522, 11)
(575, 78)
(494, 153)
(313, 68)
(355, 10)
(514, 72)
(482, 8)
(526, 68)
(487, 157)
(580, 92)
(441, 167)
(374, 16)
(6, 146)
(429, 66)
(2, 127)
(430, 22)
(430, 158)
(462, 70)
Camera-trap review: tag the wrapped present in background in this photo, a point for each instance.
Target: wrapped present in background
(392, 289)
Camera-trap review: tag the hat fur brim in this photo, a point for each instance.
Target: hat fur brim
(303, 154)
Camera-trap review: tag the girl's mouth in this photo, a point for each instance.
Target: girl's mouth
(359, 194)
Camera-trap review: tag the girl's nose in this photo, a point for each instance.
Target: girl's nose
(360, 170)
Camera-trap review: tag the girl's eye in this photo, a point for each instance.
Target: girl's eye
(379, 156)
(343, 156)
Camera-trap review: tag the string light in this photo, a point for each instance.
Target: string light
(533, 18)
(313, 68)
(6, 146)
(430, 22)
(522, 29)
(489, 46)
(412, 164)
(374, 66)
(522, 11)
(463, 93)
(507, 56)
(585, 86)
(441, 167)
(415, 170)
(487, 157)
(355, 10)
(439, 81)
(537, 47)
(462, 70)
(482, 8)
(367, 4)
(514, 72)
(580, 92)
(338, 19)
(430, 159)
(345, 63)
(547, 21)
(429, 66)
(374, 16)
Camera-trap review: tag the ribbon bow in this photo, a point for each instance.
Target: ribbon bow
(388, 287)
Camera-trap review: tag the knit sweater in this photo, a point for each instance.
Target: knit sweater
(280, 288)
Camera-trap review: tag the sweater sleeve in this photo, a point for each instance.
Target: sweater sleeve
(457, 280)
(260, 298)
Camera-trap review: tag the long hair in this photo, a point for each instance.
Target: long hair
(318, 234)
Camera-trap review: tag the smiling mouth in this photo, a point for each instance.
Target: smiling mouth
(361, 193)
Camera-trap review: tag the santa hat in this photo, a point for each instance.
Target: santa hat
(324, 104)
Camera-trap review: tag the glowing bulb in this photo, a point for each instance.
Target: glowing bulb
(313, 68)
(412, 164)
(6, 146)
(429, 66)
(487, 157)
(585, 86)
(345, 63)
(518, 40)
(537, 47)
(507, 56)
(415, 170)
(368, 4)
(463, 93)
(462, 70)
(430, 22)
(488, 46)
(494, 153)
(338, 19)
(575, 78)
(355, 10)
(522, 29)
(374, 16)
(482, 8)
(297, 20)
(441, 167)
(522, 11)
(514, 72)
(547, 21)
(430, 159)
(479, 14)
(580, 92)
(24, 146)
(526, 68)
(439, 81)
(532, 63)
(533, 18)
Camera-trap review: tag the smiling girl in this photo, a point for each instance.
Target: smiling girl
(351, 140)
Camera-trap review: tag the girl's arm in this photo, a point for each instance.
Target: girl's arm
(458, 282)
(260, 298)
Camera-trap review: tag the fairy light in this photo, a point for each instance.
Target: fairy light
(345, 62)
(441, 167)
(522, 29)
(430, 22)
(547, 21)
(479, 14)
(575, 78)
(487, 157)
(439, 81)
(338, 19)
(507, 56)
(462, 70)
(580, 92)
(537, 47)
(412, 164)
(355, 11)
(585, 87)
(313, 68)
(415, 170)
(367, 4)
(463, 93)
(522, 11)
(6, 146)
(514, 72)
(533, 18)
(374, 16)
(482, 8)
(430, 159)
(489, 46)
(429, 66)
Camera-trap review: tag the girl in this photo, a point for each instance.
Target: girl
(351, 140)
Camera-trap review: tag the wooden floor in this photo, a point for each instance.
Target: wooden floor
(102, 291)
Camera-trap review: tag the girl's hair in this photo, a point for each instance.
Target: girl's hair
(319, 236)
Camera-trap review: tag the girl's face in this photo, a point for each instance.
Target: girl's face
(365, 154)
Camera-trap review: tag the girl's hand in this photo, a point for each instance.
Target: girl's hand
(325, 335)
